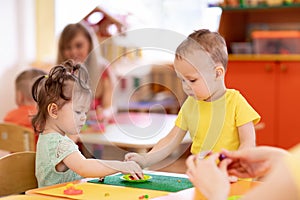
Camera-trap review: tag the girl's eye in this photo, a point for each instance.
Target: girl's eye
(192, 81)
(78, 45)
(78, 112)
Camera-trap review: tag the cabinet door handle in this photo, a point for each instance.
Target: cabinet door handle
(283, 68)
(268, 68)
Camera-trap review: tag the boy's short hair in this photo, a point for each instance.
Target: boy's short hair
(211, 42)
(25, 80)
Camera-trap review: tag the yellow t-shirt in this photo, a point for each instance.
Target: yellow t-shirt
(213, 125)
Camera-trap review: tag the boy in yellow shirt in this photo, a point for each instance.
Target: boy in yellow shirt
(215, 117)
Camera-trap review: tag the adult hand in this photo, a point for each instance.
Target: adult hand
(253, 162)
(202, 173)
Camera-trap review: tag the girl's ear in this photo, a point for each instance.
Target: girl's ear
(219, 71)
(52, 110)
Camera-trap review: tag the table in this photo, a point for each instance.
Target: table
(140, 131)
(169, 105)
(24, 197)
(237, 189)
(93, 190)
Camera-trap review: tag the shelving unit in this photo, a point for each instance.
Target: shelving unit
(269, 82)
(235, 21)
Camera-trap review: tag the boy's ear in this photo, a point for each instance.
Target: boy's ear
(52, 110)
(19, 98)
(219, 71)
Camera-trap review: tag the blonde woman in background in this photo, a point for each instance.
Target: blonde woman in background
(79, 42)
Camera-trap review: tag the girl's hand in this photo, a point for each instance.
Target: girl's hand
(133, 169)
(253, 162)
(138, 158)
(208, 177)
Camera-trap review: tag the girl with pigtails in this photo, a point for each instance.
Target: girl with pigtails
(63, 98)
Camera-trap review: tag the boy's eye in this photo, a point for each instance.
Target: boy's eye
(193, 80)
(77, 112)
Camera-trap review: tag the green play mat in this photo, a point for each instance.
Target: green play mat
(157, 182)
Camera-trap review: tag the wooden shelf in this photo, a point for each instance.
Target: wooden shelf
(263, 57)
(260, 7)
(237, 23)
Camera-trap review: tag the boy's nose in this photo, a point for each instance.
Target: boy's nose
(83, 118)
(186, 86)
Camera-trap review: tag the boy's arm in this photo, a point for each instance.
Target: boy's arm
(161, 150)
(247, 135)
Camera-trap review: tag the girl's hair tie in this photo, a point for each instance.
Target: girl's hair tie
(46, 76)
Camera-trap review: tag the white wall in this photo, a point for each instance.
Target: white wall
(71, 11)
(17, 46)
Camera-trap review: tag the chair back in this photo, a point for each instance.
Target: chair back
(17, 173)
(15, 138)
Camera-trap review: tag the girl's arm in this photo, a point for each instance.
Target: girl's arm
(89, 168)
(161, 150)
(247, 135)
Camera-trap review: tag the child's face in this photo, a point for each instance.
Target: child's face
(198, 82)
(78, 48)
(72, 115)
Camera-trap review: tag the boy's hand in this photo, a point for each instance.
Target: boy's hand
(139, 159)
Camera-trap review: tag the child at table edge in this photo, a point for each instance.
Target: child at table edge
(22, 115)
(227, 120)
(63, 98)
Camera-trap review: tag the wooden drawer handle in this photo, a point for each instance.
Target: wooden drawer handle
(283, 68)
(268, 68)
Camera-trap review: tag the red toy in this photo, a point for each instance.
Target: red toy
(72, 190)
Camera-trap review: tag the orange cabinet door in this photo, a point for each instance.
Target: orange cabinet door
(256, 82)
(288, 108)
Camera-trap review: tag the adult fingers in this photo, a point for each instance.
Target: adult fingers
(191, 163)
(223, 165)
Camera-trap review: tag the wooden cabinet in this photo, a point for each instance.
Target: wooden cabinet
(273, 89)
(269, 82)
(288, 109)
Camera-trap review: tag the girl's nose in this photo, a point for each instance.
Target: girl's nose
(73, 52)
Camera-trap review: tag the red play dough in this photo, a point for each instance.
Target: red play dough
(72, 191)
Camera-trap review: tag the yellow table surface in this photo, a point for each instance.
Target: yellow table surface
(24, 197)
(98, 191)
